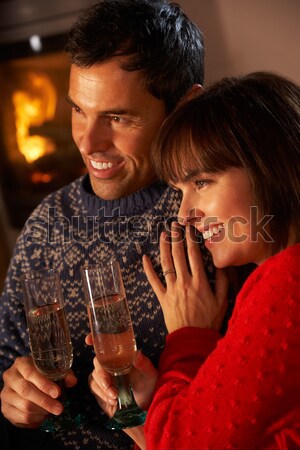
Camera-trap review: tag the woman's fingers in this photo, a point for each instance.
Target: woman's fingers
(178, 251)
(145, 366)
(143, 377)
(172, 257)
(194, 253)
(101, 384)
(89, 339)
(108, 405)
(166, 258)
(196, 260)
(103, 394)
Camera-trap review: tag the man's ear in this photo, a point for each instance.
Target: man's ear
(195, 91)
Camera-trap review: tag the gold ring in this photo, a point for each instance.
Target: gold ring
(169, 271)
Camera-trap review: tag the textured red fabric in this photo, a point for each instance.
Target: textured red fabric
(241, 391)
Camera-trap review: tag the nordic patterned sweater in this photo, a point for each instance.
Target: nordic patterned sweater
(70, 228)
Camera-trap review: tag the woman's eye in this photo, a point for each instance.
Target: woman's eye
(201, 184)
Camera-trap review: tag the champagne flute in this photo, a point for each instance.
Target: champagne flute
(49, 338)
(113, 336)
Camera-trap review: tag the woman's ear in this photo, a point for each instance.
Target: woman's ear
(195, 91)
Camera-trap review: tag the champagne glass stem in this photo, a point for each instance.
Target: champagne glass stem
(62, 397)
(69, 419)
(128, 413)
(125, 396)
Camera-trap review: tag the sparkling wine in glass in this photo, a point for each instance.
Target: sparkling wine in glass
(113, 336)
(49, 338)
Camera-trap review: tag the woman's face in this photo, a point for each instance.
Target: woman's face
(220, 206)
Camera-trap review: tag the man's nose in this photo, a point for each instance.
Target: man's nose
(95, 138)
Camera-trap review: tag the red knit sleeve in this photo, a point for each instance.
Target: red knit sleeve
(242, 391)
(183, 352)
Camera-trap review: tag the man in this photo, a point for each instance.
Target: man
(132, 61)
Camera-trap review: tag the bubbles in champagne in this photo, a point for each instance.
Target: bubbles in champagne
(50, 340)
(114, 339)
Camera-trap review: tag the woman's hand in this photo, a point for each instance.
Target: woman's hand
(143, 377)
(187, 298)
(101, 385)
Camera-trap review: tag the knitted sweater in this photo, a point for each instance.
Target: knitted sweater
(73, 227)
(241, 391)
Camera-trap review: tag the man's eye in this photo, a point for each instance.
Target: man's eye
(76, 109)
(118, 119)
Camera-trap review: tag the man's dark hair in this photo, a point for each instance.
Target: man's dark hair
(158, 37)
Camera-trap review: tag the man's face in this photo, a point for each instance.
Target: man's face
(114, 121)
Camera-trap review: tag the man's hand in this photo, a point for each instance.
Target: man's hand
(28, 397)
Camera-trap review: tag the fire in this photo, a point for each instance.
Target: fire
(33, 108)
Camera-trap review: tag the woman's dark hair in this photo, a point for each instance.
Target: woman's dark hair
(250, 122)
(158, 37)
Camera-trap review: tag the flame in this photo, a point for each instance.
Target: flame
(33, 108)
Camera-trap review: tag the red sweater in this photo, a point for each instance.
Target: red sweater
(241, 391)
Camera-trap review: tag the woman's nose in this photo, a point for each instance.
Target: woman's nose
(183, 213)
(189, 210)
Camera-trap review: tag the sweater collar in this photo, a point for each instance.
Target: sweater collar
(134, 204)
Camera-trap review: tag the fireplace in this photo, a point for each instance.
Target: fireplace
(37, 153)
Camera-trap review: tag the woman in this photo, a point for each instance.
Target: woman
(233, 152)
